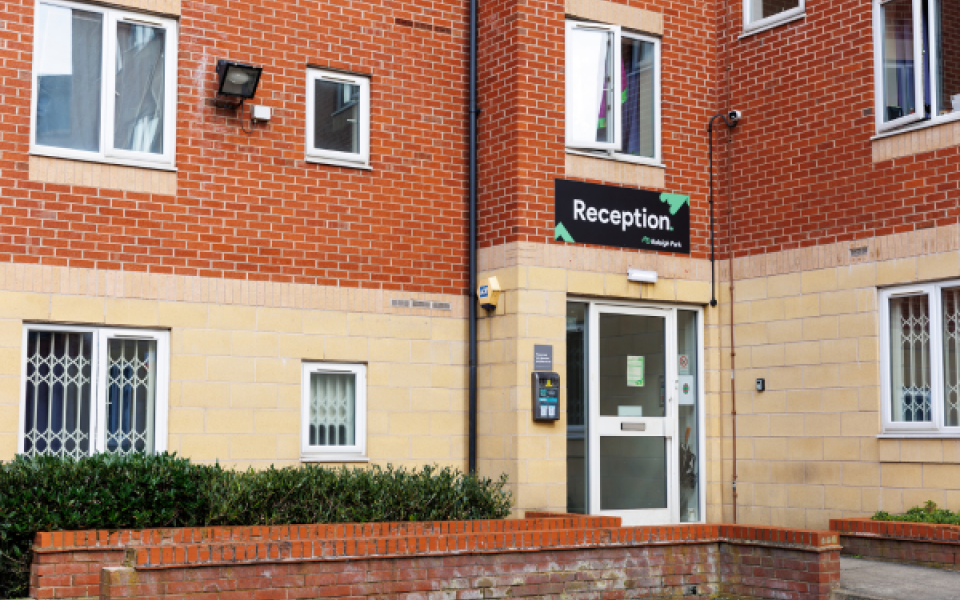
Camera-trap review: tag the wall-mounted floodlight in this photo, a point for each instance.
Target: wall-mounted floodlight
(641, 276)
(236, 82)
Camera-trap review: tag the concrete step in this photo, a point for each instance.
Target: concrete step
(862, 579)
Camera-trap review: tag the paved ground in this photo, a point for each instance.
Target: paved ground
(891, 581)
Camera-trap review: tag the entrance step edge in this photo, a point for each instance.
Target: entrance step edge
(842, 594)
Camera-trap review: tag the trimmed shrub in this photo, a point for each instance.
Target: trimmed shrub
(929, 513)
(134, 492)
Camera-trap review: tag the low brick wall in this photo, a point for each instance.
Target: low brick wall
(914, 543)
(577, 557)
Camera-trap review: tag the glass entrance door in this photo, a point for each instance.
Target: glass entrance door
(633, 448)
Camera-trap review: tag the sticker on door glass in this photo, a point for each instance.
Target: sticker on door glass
(683, 362)
(634, 371)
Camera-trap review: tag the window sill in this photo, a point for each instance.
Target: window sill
(953, 117)
(119, 162)
(647, 162)
(766, 26)
(919, 435)
(319, 160)
(333, 458)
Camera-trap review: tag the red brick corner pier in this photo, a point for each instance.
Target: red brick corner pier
(543, 555)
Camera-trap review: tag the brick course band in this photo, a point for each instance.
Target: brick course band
(754, 562)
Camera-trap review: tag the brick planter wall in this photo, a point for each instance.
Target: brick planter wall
(915, 543)
(575, 556)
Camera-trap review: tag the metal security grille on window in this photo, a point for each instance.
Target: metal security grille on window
(332, 409)
(58, 394)
(951, 356)
(910, 334)
(131, 394)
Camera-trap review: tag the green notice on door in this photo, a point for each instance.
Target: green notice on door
(634, 371)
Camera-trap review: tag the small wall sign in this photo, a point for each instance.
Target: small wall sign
(542, 357)
(588, 213)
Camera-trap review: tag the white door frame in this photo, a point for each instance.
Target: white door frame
(666, 426)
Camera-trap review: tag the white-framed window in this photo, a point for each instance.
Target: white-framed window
(920, 341)
(916, 61)
(85, 390)
(333, 412)
(764, 14)
(338, 118)
(612, 92)
(104, 85)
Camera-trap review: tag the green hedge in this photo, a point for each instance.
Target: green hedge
(133, 492)
(929, 513)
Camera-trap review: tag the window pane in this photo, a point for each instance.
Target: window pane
(633, 473)
(576, 407)
(688, 367)
(336, 116)
(131, 395)
(899, 74)
(948, 50)
(910, 359)
(761, 9)
(69, 50)
(332, 409)
(951, 357)
(57, 419)
(590, 85)
(138, 116)
(639, 111)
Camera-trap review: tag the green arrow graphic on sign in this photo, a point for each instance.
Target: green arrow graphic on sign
(676, 201)
(561, 233)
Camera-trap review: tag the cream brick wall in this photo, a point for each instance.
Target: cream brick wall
(236, 352)
(807, 322)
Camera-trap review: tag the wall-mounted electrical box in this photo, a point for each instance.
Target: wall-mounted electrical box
(489, 294)
(546, 396)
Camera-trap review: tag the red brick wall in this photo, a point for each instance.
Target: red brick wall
(801, 170)
(522, 124)
(572, 555)
(916, 543)
(249, 207)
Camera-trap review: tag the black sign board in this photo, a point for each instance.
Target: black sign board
(587, 213)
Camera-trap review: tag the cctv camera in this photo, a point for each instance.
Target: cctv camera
(733, 116)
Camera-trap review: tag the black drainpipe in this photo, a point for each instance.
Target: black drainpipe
(731, 123)
(472, 290)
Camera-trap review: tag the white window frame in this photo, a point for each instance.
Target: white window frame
(98, 384)
(935, 427)
(107, 153)
(919, 115)
(613, 149)
(763, 24)
(355, 453)
(345, 159)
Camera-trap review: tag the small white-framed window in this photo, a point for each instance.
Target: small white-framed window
(338, 118)
(916, 61)
(104, 85)
(612, 92)
(920, 338)
(85, 390)
(334, 412)
(764, 14)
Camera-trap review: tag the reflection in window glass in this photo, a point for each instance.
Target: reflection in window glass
(69, 49)
(689, 399)
(948, 52)
(762, 9)
(590, 64)
(138, 113)
(336, 116)
(638, 97)
(577, 408)
(899, 72)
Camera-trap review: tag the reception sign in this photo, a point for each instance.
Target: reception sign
(587, 213)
